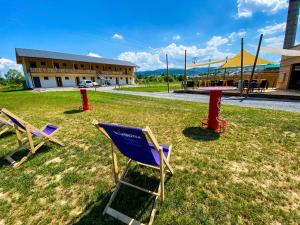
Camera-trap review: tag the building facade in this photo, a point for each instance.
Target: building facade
(45, 69)
(289, 73)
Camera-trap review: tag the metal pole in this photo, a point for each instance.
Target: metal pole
(225, 69)
(208, 68)
(242, 62)
(255, 61)
(167, 73)
(185, 76)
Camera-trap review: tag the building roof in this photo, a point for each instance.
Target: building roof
(23, 52)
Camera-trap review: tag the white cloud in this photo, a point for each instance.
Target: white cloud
(246, 8)
(198, 33)
(276, 42)
(6, 64)
(216, 41)
(145, 60)
(93, 54)
(176, 37)
(155, 58)
(232, 36)
(117, 37)
(272, 29)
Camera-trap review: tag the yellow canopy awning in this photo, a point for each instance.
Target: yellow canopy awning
(205, 64)
(248, 60)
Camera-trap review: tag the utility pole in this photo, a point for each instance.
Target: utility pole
(185, 76)
(255, 61)
(242, 66)
(167, 73)
(194, 62)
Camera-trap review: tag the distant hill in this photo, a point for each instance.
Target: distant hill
(172, 71)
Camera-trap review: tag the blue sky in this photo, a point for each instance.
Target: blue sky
(140, 31)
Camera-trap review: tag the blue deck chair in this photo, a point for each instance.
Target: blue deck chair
(44, 135)
(141, 146)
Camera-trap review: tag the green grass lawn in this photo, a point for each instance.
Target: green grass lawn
(250, 175)
(155, 87)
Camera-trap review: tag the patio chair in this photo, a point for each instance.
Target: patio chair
(230, 82)
(263, 85)
(253, 85)
(45, 134)
(220, 83)
(133, 143)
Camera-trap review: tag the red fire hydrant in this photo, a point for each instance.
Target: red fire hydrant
(85, 102)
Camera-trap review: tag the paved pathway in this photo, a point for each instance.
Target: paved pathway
(266, 103)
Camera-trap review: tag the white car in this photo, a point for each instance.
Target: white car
(86, 83)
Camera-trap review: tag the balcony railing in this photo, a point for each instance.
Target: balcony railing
(105, 72)
(55, 70)
(74, 71)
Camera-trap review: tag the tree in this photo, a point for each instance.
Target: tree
(13, 75)
(180, 78)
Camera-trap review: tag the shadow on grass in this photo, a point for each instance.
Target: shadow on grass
(200, 134)
(129, 201)
(7, 134)
(73, 111)
(20, 154)
(12, 90)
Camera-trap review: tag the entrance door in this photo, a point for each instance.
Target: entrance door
(126, 80)
(77, 81)
(37, 82)
(117, 81)
(58, 81)
(295, 77)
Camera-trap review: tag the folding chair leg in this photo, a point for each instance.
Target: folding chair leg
(114, 194)
(56, 141)
(10, 159)
(24, 159)
(3, 131)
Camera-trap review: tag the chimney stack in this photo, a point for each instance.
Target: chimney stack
(291, 24)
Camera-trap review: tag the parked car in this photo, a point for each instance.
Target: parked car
(86, 83)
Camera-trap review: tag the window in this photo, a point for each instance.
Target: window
(64, 65)
(92, 67)
(43, 63)
(56, 65)
(121, 78)
(97, 67)
(82, 65)
(110, 78)
(109, 68)
(66, 78)
(98, 78)
(83, 78)
(75, 67)
(93, 79)
(129, 69)
(32, 64)
(46, 78)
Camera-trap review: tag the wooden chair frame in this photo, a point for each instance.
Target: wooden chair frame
(6, 126)
(120, 179)
(28, 140)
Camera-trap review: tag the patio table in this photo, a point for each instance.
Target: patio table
(213, 121)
